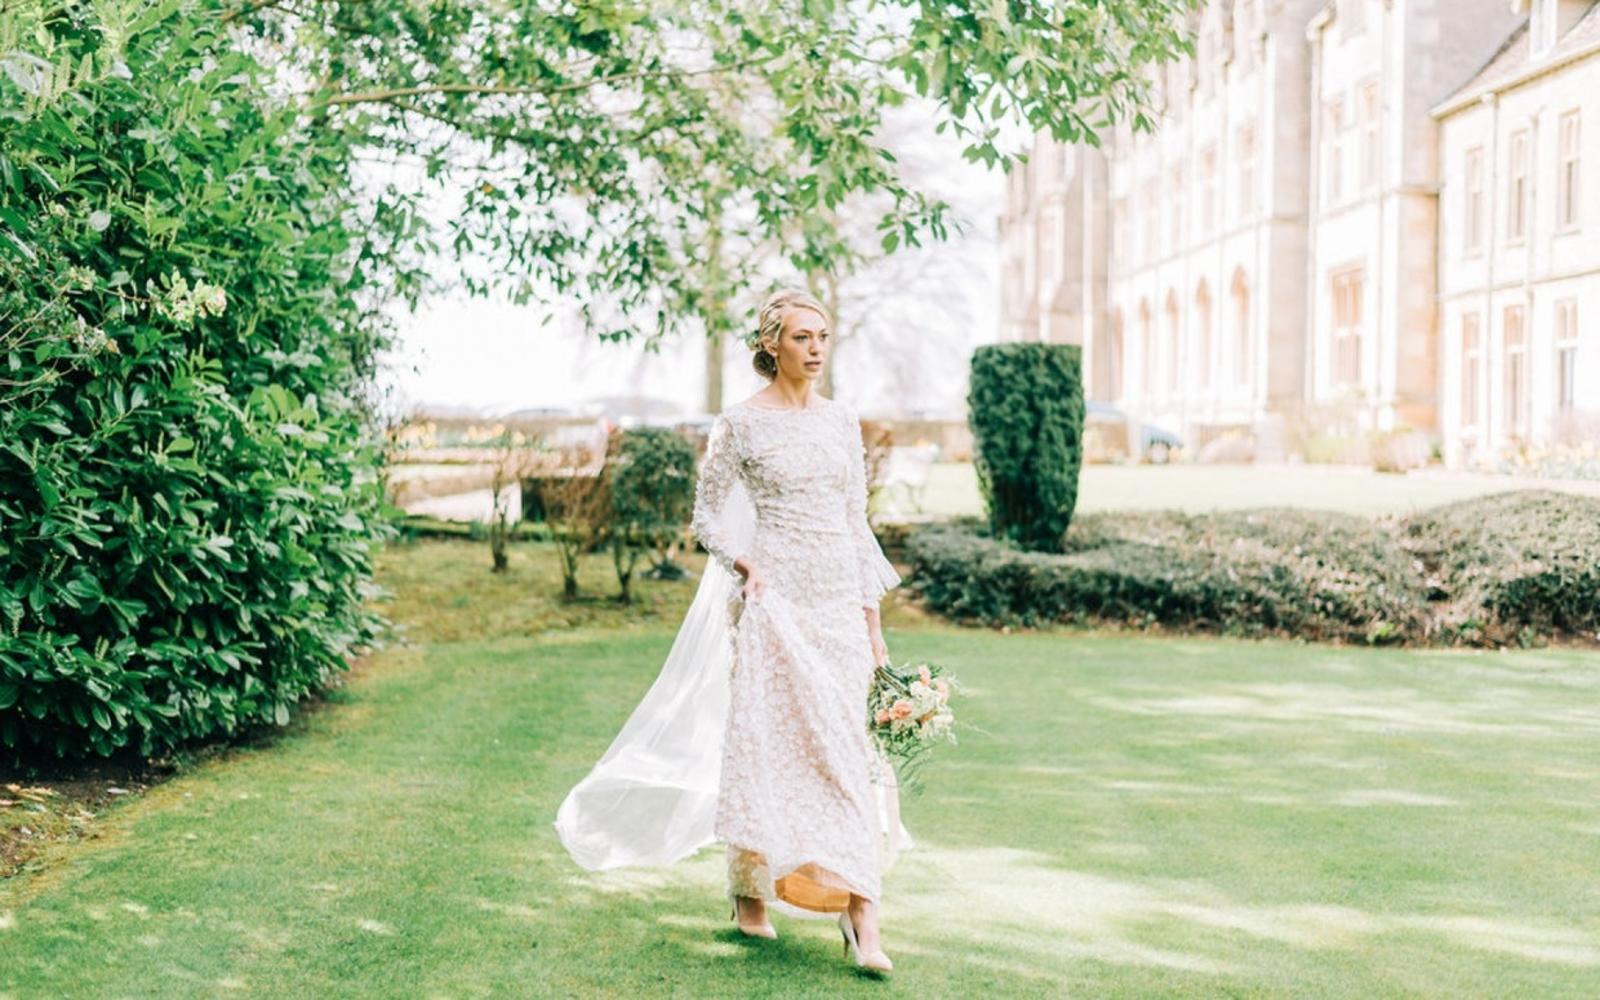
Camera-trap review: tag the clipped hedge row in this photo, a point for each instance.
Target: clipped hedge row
(1245, 572)
(1509, 568)
(1512, 566)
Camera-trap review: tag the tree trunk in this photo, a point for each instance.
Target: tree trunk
(713, 370)
(713, 316)
(497, 549)
(624, 556)
(825, 286)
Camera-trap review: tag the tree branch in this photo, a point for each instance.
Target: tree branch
(390, 94)
(252, 7)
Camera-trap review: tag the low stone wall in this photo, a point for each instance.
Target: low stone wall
(409, 483)
(953, 437)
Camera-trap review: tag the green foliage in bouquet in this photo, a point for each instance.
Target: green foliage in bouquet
(1026, 409)
(188, 488)
(908, 714)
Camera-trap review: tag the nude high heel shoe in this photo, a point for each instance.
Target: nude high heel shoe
(877, 961)
(766, 930)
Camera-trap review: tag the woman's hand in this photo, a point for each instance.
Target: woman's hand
(880, 650)
(754, 583)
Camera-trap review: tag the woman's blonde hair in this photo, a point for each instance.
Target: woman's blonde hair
(769, 327)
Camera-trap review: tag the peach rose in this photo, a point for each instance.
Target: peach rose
(883, 715)
(901, 709)
(922, 672)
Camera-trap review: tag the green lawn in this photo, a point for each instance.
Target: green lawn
(1127, 816)
(953, 488)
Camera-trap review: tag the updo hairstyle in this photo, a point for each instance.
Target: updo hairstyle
(763, 340)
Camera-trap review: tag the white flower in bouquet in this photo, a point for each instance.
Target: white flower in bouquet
(908, 714)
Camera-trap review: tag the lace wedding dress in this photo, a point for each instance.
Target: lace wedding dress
(754, 731)
(803, 822)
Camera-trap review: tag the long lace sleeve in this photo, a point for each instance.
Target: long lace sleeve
(876, 573)
(717, 475)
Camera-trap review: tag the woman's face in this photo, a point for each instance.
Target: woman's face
(803, 344)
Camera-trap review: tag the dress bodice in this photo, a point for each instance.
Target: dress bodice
(804, 472)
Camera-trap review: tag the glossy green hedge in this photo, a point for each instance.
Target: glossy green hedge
(651, 479)
(188, 497)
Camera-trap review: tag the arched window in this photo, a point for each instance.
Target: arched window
(1113, 364)
(1147, 351)
(1241, 328)
(1174, 343)
(1202, 325)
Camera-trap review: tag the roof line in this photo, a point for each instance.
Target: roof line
(1468, 93)
(1464, 92)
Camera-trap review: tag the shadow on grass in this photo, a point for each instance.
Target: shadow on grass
(1015, 919)
(1368, 709)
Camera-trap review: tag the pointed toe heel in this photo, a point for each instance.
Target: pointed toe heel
(875, 961)
(766, 930)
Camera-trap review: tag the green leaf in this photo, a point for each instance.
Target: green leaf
(15, 242)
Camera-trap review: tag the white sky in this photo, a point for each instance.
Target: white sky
(491, 356)
(494, 356)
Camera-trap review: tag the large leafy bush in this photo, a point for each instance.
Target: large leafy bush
(1025, 407)
(187, 494)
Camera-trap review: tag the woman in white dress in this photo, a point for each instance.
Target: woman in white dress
(754, 732)
(796, 805)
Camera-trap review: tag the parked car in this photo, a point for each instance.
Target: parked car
(1156, 444)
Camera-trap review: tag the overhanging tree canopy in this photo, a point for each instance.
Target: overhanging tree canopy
(600, 147)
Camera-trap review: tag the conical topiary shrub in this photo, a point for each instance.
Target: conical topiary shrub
(1025, 407)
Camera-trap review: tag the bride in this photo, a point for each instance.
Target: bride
(754, 733)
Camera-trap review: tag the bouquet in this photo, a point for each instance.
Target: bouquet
(908, 713)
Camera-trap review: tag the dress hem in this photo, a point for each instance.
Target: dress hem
(796, 908)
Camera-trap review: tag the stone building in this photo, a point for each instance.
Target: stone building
(1273, 250)
(1207, 279)
(1182, 266)
(1377, 69)
(1053, 245)
(1519, 239)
